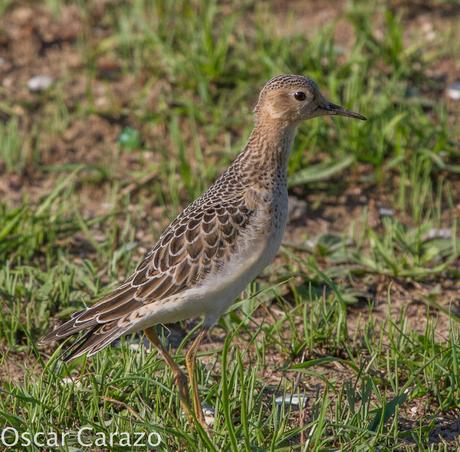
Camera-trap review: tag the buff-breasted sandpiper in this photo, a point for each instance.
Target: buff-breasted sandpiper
(217, 245)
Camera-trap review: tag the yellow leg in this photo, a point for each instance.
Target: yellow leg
(179, 376)
(190, 361)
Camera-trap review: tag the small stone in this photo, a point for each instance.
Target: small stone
(386, 212)
(135, 347)
(71, 381)
(427, 28)
(209, 415)
(107, 206)
(101, 102)
(438, 233)
(40, 83)
(453, 91)
(294, 400)
(311, 243)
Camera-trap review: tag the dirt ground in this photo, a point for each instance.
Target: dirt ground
(34, 42)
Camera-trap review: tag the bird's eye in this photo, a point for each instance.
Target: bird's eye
(300, 95)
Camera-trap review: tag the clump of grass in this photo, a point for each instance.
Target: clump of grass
(11, 153)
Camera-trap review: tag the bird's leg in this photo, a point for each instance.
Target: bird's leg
(179, 376)
(190, 361)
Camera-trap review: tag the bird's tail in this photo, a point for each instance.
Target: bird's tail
(104, 322)
(93, 341)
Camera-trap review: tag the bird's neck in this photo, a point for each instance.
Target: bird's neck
(268, 148)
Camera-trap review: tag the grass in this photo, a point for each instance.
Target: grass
(360, 322)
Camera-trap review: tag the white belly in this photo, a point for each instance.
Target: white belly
(225, 287)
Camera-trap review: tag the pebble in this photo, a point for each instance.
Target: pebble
(135, 347)
(209, 415)
(292, 399)
(39, 83)
(386, 212)
(71, 381)
(439, 233)
(453, 91)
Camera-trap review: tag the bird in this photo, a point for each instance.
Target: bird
(215, 247)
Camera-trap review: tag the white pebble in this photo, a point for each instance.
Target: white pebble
(71, 381)
(453, 91)
(40, 83)
(209, 415)
(442, 233)
(386, 212)
(291, 399)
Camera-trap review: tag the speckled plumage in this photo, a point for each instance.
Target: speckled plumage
(220, 242)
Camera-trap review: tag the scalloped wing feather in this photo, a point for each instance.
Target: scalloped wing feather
(198, 242)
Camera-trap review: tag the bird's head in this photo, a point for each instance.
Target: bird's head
(294, 98)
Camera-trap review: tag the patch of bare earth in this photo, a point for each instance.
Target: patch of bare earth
(15, 367)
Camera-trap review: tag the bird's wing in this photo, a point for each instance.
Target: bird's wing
(198, 242)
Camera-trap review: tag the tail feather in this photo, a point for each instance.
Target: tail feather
(93, 341)
(67, 329)
(104, 322)
(112, 307)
